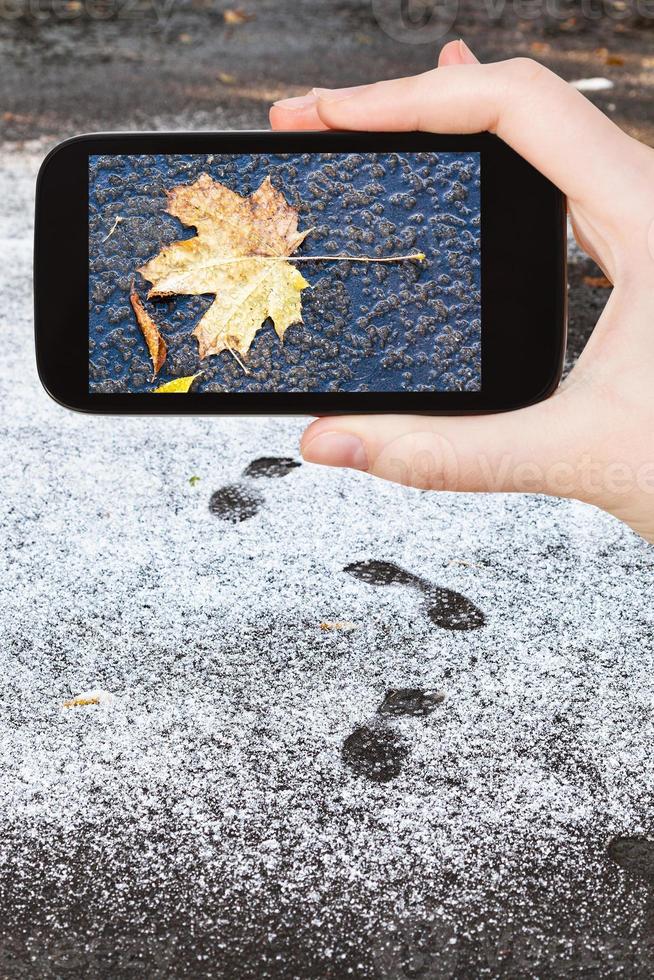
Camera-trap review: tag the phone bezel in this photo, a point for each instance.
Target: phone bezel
(523, 275)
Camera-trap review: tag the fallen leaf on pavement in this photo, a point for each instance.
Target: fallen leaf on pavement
(177, 386)
(233, 17)
(608, 58)
(17, 117)
(242, 256)
(154, 340)
(90, 697)
(346, 626)
(598, 282)
(239, 255)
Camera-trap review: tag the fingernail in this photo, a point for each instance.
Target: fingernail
(300, 102)
(466, 54)
(336, 449)
(337, 94)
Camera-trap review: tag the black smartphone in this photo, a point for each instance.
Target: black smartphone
(297, 273)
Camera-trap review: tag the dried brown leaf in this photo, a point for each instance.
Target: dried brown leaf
(235, 17)
(609, 58)
(149, 329)
(238, 255)
(242, 255)
(87, 698)
(598, 282)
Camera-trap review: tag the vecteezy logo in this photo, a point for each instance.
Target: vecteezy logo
(416, 21)
(155, 14)
(415, 949)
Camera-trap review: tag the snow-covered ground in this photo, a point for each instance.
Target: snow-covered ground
(205, 823)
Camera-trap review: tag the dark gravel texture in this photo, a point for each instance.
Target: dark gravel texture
(366, 327)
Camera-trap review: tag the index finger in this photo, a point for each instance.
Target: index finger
(544, 119)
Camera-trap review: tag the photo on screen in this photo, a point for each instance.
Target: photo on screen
(291, 272)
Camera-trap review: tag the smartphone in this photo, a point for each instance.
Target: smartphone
(297, 273)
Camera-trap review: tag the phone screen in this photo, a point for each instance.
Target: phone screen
(290, 272)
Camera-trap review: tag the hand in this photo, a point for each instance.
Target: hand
(594, 438)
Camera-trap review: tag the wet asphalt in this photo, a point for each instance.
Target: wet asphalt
(69, 65)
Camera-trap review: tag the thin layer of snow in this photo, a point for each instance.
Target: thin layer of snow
(212, 799)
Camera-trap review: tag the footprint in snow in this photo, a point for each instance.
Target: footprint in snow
(377, 750)
(443, 607)
(270, 467)
(238, 502)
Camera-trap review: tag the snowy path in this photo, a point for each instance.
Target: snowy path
(205, 824)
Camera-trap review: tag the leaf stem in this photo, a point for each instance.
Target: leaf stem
(419, 256)
(238, 360)
(342, 257)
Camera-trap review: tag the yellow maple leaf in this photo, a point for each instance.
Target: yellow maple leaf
(237, 256)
